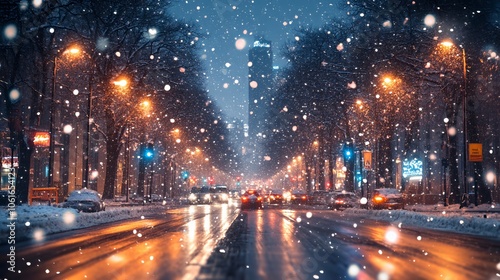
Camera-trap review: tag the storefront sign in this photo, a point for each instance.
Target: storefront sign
(7, 162)
(40, 138)
(412, 168)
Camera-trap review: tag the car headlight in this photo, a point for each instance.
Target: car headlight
(207, 196)
(192, 197)
(224, 196)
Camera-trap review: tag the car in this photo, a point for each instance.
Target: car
(220, 194)
(84, 200)
(318, 198)
(301, 198)
(251, 199)
(275, 197)
(235, 194)
(387, 198)
(200, 195)
(343, 200)
(156, 198)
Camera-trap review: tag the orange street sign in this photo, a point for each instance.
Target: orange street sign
(367, 160)
(475, 152)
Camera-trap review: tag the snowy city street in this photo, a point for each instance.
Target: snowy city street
(277, 242)
(249, 140)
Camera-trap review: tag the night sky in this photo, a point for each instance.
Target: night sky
(223, 22)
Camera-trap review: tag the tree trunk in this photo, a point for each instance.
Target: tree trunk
(112, 153)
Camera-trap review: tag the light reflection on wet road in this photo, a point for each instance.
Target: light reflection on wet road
(280, 243)
(324, 244)
(170, 245)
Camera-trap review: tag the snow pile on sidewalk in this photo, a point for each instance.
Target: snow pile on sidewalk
(482, 220)
(40, 220)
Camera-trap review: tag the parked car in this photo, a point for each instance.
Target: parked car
(299, 198)
(84, 200)
(318, 198)
(275, 197)
(343, 200)
(251, 199)
(200, 195)
(387, 198)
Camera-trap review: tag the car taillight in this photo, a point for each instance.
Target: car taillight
(378, 199)
(244, 198)
(304, 197)
(259, 198)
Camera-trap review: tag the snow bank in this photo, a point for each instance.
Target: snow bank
(36, 221)
(484, 220)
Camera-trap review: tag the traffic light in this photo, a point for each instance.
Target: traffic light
(184, 175)
(211, 180)
(149, 151)
(348, 152)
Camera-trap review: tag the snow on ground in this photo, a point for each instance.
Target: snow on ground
(482, 220)
(37, 221)
(41, 220)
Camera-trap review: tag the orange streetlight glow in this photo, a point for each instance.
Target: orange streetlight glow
(120, 83)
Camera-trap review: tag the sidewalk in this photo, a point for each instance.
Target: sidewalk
(455, 208)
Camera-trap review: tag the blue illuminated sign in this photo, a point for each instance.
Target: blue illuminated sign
(412, 168)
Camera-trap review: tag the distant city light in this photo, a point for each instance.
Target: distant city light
(240, 44)
(429, 20)
(10, 31)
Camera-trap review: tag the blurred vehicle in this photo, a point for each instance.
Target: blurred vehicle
(343, 200)
(299, 198)
(234, 194)
(156, 197)
(387, 198)
(138, 199)
(200, 195)
(220, 194)
(84, 200)
(318, 198)
(251, 199)
(275, 197)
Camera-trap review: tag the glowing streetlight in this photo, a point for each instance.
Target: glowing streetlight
(449, 44)
(122, 82)
(69, 51)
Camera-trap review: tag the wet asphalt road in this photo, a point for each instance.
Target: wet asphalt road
(222, 242)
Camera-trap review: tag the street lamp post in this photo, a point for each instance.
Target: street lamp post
(51, 116)
(464, 107)
(51, 125)
(89, 123)
(464, 121)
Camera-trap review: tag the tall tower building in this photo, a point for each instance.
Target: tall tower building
(260, 76)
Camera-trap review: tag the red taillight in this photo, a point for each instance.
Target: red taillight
(378, 199)
(304, 197)
(259, 198)
(244, 198)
